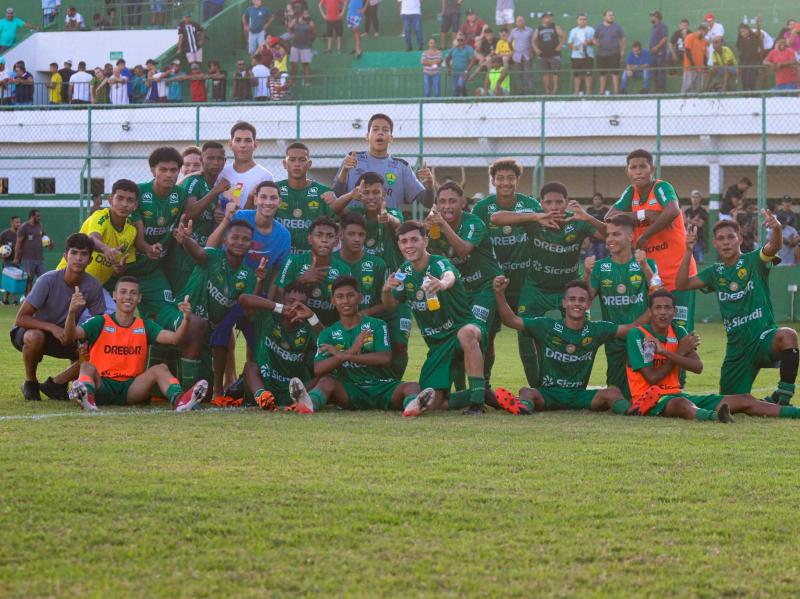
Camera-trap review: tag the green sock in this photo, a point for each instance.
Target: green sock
(528, 404)
(398, 365)
(317, 398)
(488, 364)
(789, 412)
(173, 393)
(785, 391)
(408, 400)
(89, 388)
(457, 374)
(705, 415)
(621, 406)
(477, 389)
(258, 392)
(527, 353)
(458, 400)
(190, 371)
(162, 354)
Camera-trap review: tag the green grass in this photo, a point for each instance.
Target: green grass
(209, 504)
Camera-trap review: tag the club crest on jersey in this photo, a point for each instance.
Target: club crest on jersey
(174, 211)
(742, 273)
(284, 345)
(409, 287)
(621, 288)
(314, 204)
(297, 213)
(367, 280)
(570, 349)
(507, 230)
(317, 292)
(240, 285)
(555, 340)
(586, 341)
(391, 178)
(300, 341)
(420, 294)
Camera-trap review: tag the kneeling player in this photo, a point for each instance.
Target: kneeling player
(116, 372)
(353, 359)
(566, 348)
(657, 351)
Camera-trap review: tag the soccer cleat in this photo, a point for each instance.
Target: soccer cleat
(191, 397)
(779, 398)
(510, 403)
(30, 391)
(236, 389)
(53, 390)
(490, 398)
(724, 414)
(474, 410)
(420, 403)
(300, 397)
(266, 401)
(81, 396)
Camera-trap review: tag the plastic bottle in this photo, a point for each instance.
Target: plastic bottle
(436, 229)
(431, 299)
(649, 352)
(237, 192)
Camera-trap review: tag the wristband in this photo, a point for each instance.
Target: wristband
(641, 214)
(278, 309)
(313, 320)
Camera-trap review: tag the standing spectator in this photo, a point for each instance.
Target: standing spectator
(66, 74)
(484, 48)
(459, 62)
(97, 203)
(582, 46)
(411, 14)
(677, 43)
(50, 10)
(197, 83)
(724, 67)
(793, 38)
(191, 37)
(9, 238)
(126, 72)
(598, 210)
(279, 86)
(73, 20)
(99, 87)
(784, 61)
(502, 48)
(637, 66)
(548, 39)
(8, 30)
(714, 29)
(303, 33)
(697, 216)
(521, 38)
(504, 12)
(255, 22)
(789, 253)
(280, 55)
(785, 215)
(371, 18)
(29, 250)
(694, 61)
(751, 52)
(242, 82)
(175, 79)
(333, 12)
(80, 86)
(153, 76)
(211, 8)
(451, 21)
(158, 12)
(790, 23)
(659, 51)
(611, 45)
(260, 79)
(432, 70)
(118, 88)
(5, 89)
(55, 85)
(138, 85)
(737, 190)
(23, 84)
(472, 28)
(219, 81)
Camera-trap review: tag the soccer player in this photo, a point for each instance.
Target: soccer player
(439, 301)
(655, 354)
(567, 348)
(116, 372)
(317, 268)
(113, 236)
(244, 174)
(202, 191)
(741, 282)
(555, 254)
(302, 200)
(402, 186)
(622, 280)
(352, 362)
(463, 239)
(286, 341)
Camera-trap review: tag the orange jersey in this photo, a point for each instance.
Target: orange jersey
(637, 360)
(120, 353)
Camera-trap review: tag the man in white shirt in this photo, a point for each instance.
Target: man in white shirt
(260, 74)
(244, 174)
(714, 30)
(80, 86)
(118, 88)
(5, 96)
(582, 46)
(73, 20)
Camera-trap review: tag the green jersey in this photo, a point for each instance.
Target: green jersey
(214, 287)
(203, 225)
(743, 296)
(381, 239)
(479, 267)
(455, 310)
(556, 254)
(320, 300)
(567, 355)
(512, 244)
(370, 272)
(622, 289)
(159, 215)
(282, 352)
(377, 341)
(299, 208)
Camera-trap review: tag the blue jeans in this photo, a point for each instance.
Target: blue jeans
(660, 63)
(410, 21)
(431, 85)
(459, 83)
(636, 75)
(698, 253)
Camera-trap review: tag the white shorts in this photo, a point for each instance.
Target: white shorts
(300, 55)
(504, 16)
(195, 56)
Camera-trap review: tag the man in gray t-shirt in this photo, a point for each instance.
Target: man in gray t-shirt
(29, 251)
(611, 45)
(39, 327)
(521, 38)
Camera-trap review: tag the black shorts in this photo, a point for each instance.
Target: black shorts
(582, 64)
(333, 28)
(52, 346)
(608, 64)
(451, 22)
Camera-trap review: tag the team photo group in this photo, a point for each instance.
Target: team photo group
(322, 282)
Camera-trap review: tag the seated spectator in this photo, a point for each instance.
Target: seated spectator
(698, 216)
(751, 53)
(503, 48)
(138, 89)
(219, 81)
(785, 214)
(496, 82)
(472, 28)
(242, 82)
(99, 23)
(790, 252)
(723, 66)
(39, 327)
(784, 62)
(432, 70)
(637, 67)
(279, 87)
(260, 79)
(73, 21)
(484, 49)
(737, 190)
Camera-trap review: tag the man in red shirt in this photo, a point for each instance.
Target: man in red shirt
(197, 85)
(333, 11)
(784, 61)
(472, 27)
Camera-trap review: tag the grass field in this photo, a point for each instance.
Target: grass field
(147, 503)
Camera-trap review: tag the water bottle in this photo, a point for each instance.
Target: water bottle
(436, 229)
(237, 193)
(648, 350)
(431, 299)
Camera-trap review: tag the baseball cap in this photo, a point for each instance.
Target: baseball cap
(787, 198)
(274, 41)
(9, 11)
(656, 13)
(710, 16)
(68, 61)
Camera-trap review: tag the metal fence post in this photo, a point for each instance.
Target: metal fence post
(83, 188)
(658, 138)
(197, 126)
(542, 149)
(416, 210)
(762, 166)
(297, 122)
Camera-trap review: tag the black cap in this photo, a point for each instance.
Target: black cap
(657, 13)
(787, 198)
(547, 13)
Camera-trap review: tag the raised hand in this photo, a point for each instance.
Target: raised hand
(550, 220)
(300, 312)
(262, 271)
(640, 255)
(425, 175)
(77, 302)
(222, 186)
(579, 213)
(185, 307)
(231, 209)
(433, 285)
(349, 161)
(500, 283)
(691, 236)
(770, 220)
(183, 230)
(113, 255)
(588, 263)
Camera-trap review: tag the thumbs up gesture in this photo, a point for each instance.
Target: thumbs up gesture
(425, 175)
(185, 307)
(77, 303)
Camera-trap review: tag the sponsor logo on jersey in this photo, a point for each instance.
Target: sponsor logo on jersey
(605, 267)
(122, 350)
(558, 327)
(636, 279)
(568, 358)
(367, 280)
(174, 211)
(586, 341)
(109, 329)
(239, 285)
(300, 341)
(138, 331)
(732, 323)
(420, 294)
(313, 204)
(736, 294)
(481, 313)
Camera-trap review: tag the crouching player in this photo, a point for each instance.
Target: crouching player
(117, 373)
(353, 362)
(285, 342)
(656, 353)
(566, 348)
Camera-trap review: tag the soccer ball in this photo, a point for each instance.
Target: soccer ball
(5, 250)
(45, 241)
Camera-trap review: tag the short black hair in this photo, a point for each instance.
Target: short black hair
(266, 184)
(126, 279)
(79, 241)
(622, 220)
(412, 225)
(345, 281)
(577, 283)
(125, 185)
(554, 187)
(380, 116)
(640, 153)
(324, 221)
(299, 287)
(238, 223)
(370, 178)
(451, 185)
(661, 293)
(637, 44)
(352, 218)
(721, 224)
(165, 154)
(747, 181)
(298, 145)
(212, 145)
(14, 217)
(33, 211)
(243, 125)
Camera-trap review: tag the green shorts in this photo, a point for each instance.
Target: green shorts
(617, 358)
(398, 322)
(377, 396)
(742, 364)
(535, 302)
(484, 307)
(704, 402)
(567, 399)
(112, 392)
(512, 297)
(441, 363)
(684, 309)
